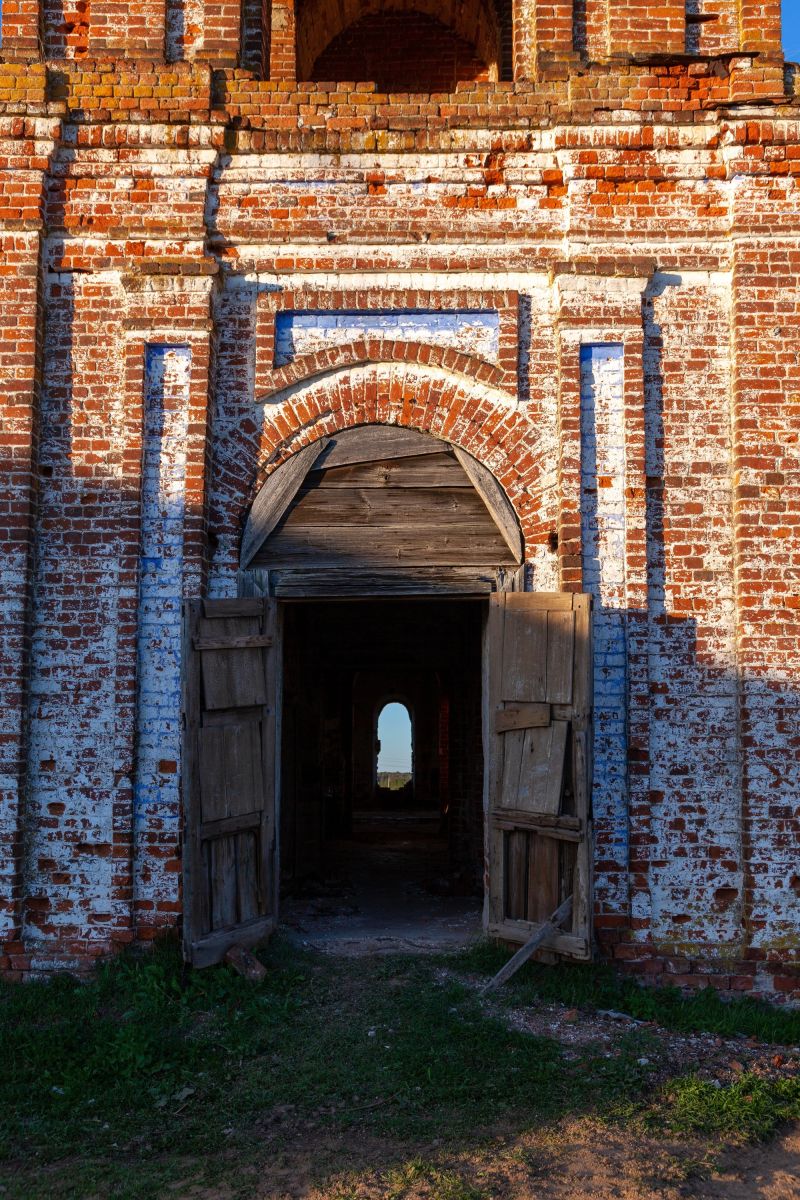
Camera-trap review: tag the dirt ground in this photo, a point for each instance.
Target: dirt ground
(580, 1161)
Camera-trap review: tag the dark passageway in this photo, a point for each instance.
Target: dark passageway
(361, 861)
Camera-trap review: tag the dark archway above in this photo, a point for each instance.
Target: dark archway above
(401, 52)
(414, 45)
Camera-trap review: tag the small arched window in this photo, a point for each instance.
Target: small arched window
(395, 747)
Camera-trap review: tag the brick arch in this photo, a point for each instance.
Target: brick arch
(345, 357)
(319, 22)
(476, 416)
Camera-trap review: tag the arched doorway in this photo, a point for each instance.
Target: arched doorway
(418, 535)
(379, 563)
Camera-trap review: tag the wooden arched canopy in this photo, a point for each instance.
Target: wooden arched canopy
(385, 507)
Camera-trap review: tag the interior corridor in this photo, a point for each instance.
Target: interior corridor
(364, 867)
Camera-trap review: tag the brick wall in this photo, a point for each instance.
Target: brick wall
(639, 203)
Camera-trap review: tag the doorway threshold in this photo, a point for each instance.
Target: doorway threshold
(391, 901)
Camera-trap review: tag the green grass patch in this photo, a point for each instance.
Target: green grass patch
(601, 987)
(148, 1076)
(147, 1061)
(751, 1109)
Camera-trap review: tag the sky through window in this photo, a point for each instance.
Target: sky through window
(394, 733)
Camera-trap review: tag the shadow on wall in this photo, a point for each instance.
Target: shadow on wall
(680, 848)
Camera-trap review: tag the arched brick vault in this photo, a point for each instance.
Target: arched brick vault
(472, 413)
(320, 21)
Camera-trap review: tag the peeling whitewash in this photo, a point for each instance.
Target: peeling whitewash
(603, 527)
(299, 333)
(158, 702)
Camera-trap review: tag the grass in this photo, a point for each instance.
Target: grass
(591, 986)
(148, 1075)
(751, 1107)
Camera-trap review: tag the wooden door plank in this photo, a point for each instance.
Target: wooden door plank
(514, 818)
(521, 716)
(275, 497)
(560, 655)
(268, 865)
(516, 874)
(524, 654)
(548, 798)
(240, 607)
(244, 782)
(496, 501)
(513, 749)
(537, 941)
(541, 601)
(247, 882)
(534, 820)
(420, 470)
(368, 443)
(231, 678)
(419, 545)
(250, 641)
(543, 877)
(223, 883)
(566, 945)
(494, 664)
(195, 875)
(583, 862)
(582, 699)
(379, 507)
(542, 769)
(225, 825)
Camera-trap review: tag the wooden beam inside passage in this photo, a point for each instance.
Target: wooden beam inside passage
(275, 497)
(496, 501)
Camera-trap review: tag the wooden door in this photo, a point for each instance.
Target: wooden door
(540, 697)
(230, 698)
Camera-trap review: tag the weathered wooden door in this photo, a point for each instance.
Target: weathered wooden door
(540, 697)
(229, 775)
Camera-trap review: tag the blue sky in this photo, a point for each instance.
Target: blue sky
(394, 732)
(791, 29)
